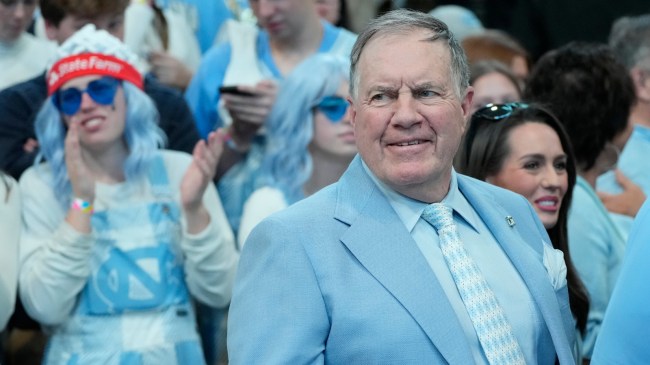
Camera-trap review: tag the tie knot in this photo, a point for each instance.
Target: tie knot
(438, 215)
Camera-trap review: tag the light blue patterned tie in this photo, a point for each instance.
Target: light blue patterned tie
(492, 327)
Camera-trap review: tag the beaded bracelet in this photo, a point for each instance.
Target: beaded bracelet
(82, 205)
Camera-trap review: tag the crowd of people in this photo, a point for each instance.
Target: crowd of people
(259, 182)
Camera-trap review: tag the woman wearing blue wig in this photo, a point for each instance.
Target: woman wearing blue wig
(310, 141)
(119, 236)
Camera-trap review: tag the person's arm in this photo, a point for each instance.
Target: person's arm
(249, 114)
(19, 105)
(624, 332)
(10, 228)
(628, 202)
(54, 257)
(278, 314)
(210, 256)
(208, 242)
(592, 254)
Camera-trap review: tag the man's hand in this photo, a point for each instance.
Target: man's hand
(169, 70)
(628, 202)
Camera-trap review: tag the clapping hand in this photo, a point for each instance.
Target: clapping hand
(81, 179)
(199, 174)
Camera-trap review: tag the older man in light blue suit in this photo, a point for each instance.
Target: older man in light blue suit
(355, 275)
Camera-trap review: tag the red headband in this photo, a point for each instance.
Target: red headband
(84, 64)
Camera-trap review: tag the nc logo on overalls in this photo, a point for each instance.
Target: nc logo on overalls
(138, 279)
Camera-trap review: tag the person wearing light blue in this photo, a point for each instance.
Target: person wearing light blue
(310, 141)
(301, 34)
(255, 62)
(120, 239)
(630, 40)
(624, 334)
(206, 17)
(591, 94)
(354, 274)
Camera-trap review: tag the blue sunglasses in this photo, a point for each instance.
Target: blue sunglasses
(102, 91)
(334, 107)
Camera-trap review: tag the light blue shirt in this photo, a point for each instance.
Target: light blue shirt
(597, 249)
(624, 334)
(202, 94)
(502, 277)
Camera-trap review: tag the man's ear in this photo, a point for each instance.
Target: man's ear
(466, 105)
(353, 111)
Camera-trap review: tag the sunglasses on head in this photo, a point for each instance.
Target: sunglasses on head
(102, 91)
(334, 107)
(496, 112)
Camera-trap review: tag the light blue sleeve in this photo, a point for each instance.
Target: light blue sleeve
(277, 314)
(597, 255)
(202, 94)
(624, 334)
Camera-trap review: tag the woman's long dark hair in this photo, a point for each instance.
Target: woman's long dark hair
(483, 152)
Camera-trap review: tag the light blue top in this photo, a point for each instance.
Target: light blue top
(597, 248)
(337, 278)
(504, 280)
(633, 163)
(624, 334)
(202, 94)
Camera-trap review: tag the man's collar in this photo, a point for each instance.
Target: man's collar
(409, 210)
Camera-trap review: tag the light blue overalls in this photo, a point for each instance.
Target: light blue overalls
(135, 308)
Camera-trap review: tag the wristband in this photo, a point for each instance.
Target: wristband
(230, 142)
(82, 205)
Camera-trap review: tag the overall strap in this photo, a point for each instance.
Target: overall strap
(157, 175)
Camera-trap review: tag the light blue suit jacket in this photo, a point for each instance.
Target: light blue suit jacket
(337, 279)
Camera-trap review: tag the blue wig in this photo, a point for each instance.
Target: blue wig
(287, 163)
(141, 132)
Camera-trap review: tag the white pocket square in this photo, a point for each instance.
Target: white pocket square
(555, 267)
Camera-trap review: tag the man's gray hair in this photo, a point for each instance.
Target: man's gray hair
(630, 40)
(404, 22)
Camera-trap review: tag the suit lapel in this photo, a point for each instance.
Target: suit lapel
(525, 259)
(381, 243)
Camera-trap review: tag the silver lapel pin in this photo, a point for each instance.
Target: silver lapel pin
(510, 220)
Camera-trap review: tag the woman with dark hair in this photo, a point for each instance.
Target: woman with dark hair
(524, 148)
(591, 93)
